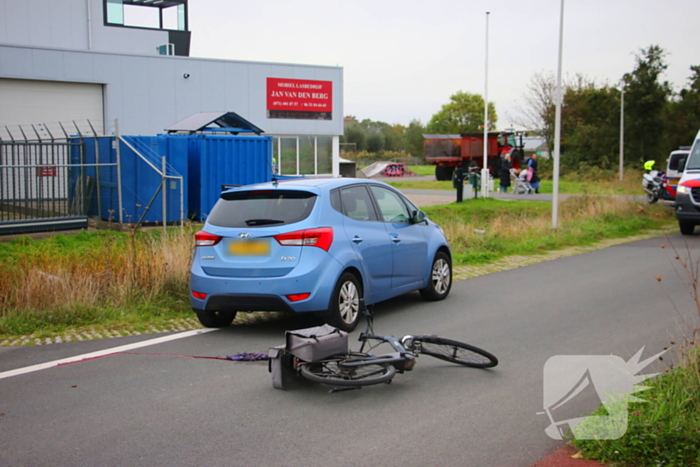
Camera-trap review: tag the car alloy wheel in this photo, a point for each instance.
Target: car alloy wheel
(440, 278)
(345, 303)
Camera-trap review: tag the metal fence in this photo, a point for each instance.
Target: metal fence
(43, 185)
(50, 182)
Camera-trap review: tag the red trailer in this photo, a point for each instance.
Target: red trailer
(447, 152)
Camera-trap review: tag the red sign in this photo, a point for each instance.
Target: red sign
(47, 171)
(299, 95)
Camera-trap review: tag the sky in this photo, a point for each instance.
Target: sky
(402, 60)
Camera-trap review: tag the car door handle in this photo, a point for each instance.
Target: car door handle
(395, 238)
(357, 239)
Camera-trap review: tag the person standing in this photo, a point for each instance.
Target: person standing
(458, 182)
(534, 177)
(504, 174)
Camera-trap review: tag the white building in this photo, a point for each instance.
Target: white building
(128, 61)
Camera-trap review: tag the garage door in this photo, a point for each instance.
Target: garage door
(27, 102)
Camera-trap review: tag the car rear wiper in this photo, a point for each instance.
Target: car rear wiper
(263, 221)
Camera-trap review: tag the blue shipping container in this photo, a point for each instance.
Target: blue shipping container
(139, 177)
(217, 160)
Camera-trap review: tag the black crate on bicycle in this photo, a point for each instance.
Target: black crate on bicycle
(308, 345)
(316, 343)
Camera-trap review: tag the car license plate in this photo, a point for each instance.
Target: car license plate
(249, 247)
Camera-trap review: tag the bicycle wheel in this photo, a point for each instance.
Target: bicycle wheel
(334, 372)
(453, 351)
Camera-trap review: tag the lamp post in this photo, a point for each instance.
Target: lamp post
(557, 127)
(622, 130)
(485, 167)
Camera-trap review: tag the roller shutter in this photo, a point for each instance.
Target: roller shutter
(26, 102)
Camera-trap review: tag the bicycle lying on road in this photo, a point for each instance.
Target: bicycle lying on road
(363, 368)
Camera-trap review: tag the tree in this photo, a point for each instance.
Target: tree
(463, 114)
(540, 100)
(413, 137)
(590, 124)
(393, 137)
(684, 113)
(375, 142)
(355, 133)
(646, 100)
(376, 136)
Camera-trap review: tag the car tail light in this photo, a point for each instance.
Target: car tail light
(321, 238)
(297, 297)
(199, 295)
(203, 238)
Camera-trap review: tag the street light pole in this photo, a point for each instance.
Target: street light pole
(622, 130)
(557, 127)
(485, 167)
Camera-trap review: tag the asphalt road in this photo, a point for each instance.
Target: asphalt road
(157, 406)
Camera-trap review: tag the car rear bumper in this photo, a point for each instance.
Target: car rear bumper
(246, 302)
(267, 293)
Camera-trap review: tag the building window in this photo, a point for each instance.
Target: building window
(168, 15)
(115, 12)
(174, 18)
(307, 155)
(303, 155)
(287, 160)
(324, 154)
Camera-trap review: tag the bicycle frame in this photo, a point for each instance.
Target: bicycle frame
(402, 359)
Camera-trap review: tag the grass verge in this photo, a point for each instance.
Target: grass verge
(137, 279)
(665, 430)
(104, 277)
(573, 183)
(482, 230)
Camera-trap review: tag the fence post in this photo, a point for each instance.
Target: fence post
(119, 172)
(182, 204)
(165, 199)
(97, 170)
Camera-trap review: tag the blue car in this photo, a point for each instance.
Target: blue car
(315, 246)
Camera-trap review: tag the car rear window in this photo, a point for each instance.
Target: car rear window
(261, 208)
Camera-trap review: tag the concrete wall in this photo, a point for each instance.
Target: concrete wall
(149, 93)
(72, 24)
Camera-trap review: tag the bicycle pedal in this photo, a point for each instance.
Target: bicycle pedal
(348, 388)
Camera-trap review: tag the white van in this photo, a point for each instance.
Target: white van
(688, 191)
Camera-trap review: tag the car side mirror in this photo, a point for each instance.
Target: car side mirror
(418, 217)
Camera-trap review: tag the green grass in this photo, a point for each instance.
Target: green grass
(93, 278)
(46, 323)
(665, 430)
(81, 245)
(423, 169)
(524, 227)
(408, 184)
(120, 279)
(574, 186)
(565, 187)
